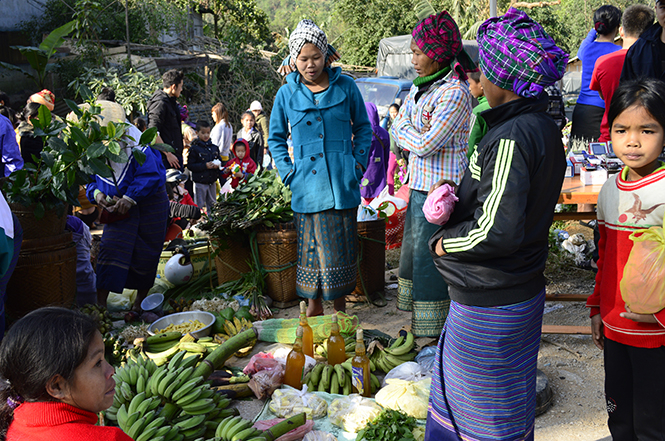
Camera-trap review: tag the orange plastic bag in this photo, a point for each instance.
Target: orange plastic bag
(643, 282)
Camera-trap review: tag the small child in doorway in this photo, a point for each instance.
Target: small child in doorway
(630, 201)
(204, 163)
(241, 166)
(479, 125)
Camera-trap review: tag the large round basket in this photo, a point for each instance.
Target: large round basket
(372, 235)
(45, 274)
(278, 252)
(51, 224)
(231, 260)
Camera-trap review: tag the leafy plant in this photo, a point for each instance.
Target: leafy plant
(263, 199)
(38, 57)
(73, 152)
(390, 425)
(132, 89)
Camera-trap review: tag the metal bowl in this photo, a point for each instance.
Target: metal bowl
(180, 317)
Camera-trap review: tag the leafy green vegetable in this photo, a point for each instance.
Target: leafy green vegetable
(390, 425)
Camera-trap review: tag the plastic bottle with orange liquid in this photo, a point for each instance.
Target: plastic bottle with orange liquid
(360, 369)
(307, 333)
(336, 351)
(295, 363)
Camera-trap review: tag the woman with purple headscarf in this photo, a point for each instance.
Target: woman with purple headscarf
(492, 251)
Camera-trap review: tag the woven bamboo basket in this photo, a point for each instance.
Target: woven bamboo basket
(45, 274)
(373, 257)
(278, 253)
(231, 260)
(48, 226)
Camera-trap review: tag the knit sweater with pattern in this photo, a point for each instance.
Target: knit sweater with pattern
(624, 207)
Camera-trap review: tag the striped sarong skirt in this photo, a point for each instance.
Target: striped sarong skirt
(484, 383)
(327, 253)
(130, 248)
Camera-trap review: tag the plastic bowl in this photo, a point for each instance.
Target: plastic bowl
(152, 302)
(181, 317)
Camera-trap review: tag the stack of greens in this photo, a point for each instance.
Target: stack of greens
(262, 200)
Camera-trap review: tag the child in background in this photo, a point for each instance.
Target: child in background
(479, 125)
(253, 137)
(222, 133)
(56, 379)
(632, 200)
(240, 167)
(140, 124)
(204, 162)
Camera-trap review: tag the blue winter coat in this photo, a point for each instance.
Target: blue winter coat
(328, 166)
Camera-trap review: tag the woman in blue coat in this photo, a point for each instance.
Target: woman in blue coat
(324, 113)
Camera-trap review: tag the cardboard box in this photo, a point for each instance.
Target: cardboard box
(570, 169)
(593, 177)
(578, 162)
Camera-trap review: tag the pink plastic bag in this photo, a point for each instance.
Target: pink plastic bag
(259, 362)
(440, 204)
(264, 383)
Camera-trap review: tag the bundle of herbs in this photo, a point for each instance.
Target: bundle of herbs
(262, 200)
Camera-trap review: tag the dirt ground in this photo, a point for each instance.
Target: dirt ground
(573, 365)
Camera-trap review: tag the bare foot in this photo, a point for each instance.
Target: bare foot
(314, 308)
(340, 304)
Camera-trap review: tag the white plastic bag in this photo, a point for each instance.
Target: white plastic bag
(288, 401)
(319, 435)
(410, 397)
(366, 213)
(385, 196)
(226, 188)
(409, 371)
(121, 301)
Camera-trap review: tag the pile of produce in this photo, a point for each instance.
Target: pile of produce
(262, 200)
(100, 315)
(391, 425)
(402, 350)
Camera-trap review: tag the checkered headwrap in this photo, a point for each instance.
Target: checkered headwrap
(439, 38)
(307, 32)
(518, 55)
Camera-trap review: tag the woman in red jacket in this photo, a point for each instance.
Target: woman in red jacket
(56, 379)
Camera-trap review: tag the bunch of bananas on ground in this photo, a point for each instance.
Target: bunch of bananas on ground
(401, 351)
(165, 403)
(180, 305)
(334, 379)
(161, 347)
(233, 327)
(115, 351)
(101, 316)
(237, 429)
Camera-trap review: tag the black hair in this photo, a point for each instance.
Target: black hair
(636, 19)
(47, 342)
(202, 124)
(31, 110)
(10, 114)
(648, 93)
(106, 94)
(475, 76)
(5, 99)
(172, 77)
(606, 19)
(395, 106)
(247, 114)
(140, 123)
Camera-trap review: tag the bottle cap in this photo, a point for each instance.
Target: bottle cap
(303, 307)
(299, 331)
(359, 334)
(334, 318)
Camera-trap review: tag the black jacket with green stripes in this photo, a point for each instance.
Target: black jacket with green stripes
(496, 239)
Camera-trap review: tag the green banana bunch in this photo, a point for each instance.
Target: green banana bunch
(237, 429)
(401, 351)
(325, 378)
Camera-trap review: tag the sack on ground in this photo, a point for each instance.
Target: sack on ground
(643, 282)
(409, 371)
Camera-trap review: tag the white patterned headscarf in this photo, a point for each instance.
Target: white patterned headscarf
(307, 32)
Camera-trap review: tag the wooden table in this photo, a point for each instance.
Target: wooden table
(574, 192)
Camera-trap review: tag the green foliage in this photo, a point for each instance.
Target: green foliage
(132, 89)
(241, 23)
(368, 22)
(38, 57)
(73, 151)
